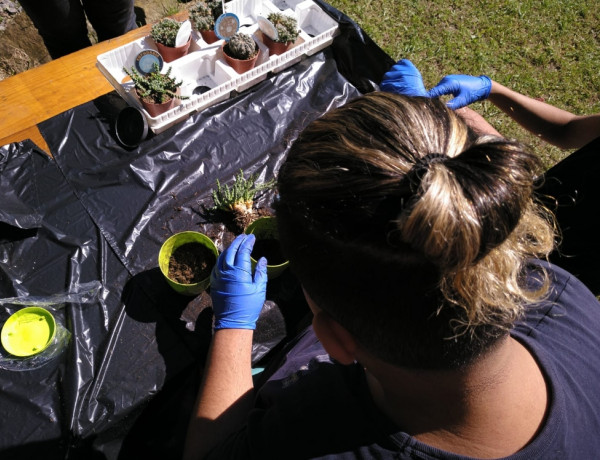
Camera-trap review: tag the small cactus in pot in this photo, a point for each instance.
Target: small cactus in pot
(203, 15)
(241, 46)
(287, 27)
(241, 52)
(164, 34)
(165, 31)
(157, 91)
(287, 33)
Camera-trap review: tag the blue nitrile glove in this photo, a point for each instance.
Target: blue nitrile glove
(403, 78)
(237, 296)
(466, 89)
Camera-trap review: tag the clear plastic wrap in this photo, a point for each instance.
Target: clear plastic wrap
(85, 293)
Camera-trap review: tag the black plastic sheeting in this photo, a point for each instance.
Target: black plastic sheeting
(124, 386)
(570, 190)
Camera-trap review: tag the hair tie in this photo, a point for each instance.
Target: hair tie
(421, 166)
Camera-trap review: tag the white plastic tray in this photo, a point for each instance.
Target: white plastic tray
(204, 65)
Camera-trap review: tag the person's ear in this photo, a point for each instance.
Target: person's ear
(335, 338)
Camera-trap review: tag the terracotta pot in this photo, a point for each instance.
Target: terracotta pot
(170, 53)
(276, 47)
(209, 36)
(240, 65)
(156, 109)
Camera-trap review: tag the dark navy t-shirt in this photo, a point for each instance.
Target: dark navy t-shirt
(314, 408)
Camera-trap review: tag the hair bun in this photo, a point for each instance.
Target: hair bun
(420, 168)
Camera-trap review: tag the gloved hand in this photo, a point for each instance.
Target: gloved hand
(237, 296)
(403, 78)
(466, 89)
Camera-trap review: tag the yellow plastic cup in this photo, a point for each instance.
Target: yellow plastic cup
(28, 331)
(172, 243)
(266, 227)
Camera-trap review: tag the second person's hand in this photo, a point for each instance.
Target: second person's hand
(466, 89)
(403, 78)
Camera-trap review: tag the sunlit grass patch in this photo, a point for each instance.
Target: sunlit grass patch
(547, 49)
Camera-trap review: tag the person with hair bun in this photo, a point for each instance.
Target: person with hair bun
(569, 188)
(438, 328)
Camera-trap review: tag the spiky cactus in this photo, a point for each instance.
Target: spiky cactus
(287, 27)
(204, 14)
(241, 46)
(165, 31)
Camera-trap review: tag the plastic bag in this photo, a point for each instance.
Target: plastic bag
(85, 293)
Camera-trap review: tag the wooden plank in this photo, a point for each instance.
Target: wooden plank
(32, 133)
(35, 95)
(38, 94)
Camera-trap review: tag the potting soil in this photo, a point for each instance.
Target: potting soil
(191, 263)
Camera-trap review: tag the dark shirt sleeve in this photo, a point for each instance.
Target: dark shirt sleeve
(234, 447)
(309, 407)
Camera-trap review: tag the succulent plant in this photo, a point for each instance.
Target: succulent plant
(165, 31)
(241, 46)
(287, 27)
(155, 87)
(204, 14)
(239, 198)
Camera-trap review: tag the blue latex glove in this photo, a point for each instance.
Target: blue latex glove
(466, 89)
(403, 78)
(237, 296)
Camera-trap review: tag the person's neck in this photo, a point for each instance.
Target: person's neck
(491, 409)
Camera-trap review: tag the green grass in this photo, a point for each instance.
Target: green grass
(171, 7)
(547, 49)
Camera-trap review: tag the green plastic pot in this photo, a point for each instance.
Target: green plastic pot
(170, 245)
(266, 227)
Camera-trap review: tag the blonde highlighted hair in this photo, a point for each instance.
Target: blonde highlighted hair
(411, 230)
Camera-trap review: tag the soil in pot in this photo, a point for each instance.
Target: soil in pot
(191, 263)
(269, 248)
(240, 65)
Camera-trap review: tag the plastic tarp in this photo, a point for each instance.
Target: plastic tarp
(98, 213)
(570, 190)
